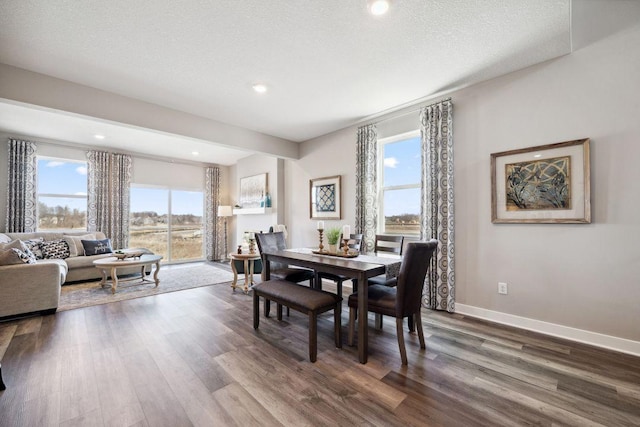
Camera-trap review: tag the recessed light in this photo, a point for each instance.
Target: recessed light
(195, 153)
(378, 7)
(260, 88)
(537, 155)
(98, 136)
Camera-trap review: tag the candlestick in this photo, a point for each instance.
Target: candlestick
(345, 248)
(320, 225)
(320, 246)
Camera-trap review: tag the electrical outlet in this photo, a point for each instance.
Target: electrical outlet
(502, 288)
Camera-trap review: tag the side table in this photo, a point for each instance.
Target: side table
(249, 260)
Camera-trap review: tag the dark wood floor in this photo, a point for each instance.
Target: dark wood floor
(193, 358)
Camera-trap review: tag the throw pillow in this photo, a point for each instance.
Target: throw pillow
(20, 246)
(55, 249)
(97, 247)
(12, 256)
(75, 243)
(35, 246)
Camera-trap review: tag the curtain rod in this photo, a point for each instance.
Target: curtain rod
(413, 110)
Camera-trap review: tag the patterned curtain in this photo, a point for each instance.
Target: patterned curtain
(213, 239)
(109, 179)
(21, 187)
(437, 213)
(366, 187)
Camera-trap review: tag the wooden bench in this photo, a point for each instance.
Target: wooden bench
(300, 298)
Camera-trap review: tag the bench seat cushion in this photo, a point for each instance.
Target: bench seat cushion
(291, 294)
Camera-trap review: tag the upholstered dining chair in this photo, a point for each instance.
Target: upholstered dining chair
(355, 242)
(276, 241)
(401, 301)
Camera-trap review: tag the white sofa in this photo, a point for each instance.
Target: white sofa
(31, 288)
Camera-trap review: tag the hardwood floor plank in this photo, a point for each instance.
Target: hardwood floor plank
(193, 358)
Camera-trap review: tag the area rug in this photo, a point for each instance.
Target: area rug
(173, 278)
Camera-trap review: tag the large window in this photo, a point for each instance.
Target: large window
(399, 175)
(62, 194)
(168, 222)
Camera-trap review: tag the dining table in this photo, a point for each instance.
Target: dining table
(362, 267)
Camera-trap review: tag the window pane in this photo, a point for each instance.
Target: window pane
(62, 177)
(402, 211)
(402, 162)
(149, 223)
(186, 225)
(62, 213)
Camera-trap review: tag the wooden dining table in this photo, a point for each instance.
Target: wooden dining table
(361, 268)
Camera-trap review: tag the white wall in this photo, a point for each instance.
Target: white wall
(249, 166)
(575, 276)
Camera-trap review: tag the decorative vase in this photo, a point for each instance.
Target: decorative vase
(333, 248)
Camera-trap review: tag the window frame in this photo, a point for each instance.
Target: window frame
(381, 189)
(68, 196)
(169, 190)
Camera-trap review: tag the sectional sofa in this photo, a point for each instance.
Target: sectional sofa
(30, 288)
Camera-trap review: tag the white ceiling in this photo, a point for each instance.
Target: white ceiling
(328, 63)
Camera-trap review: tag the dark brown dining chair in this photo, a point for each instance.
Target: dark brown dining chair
(401, 301)
(276, 242)
(355, 242)
(386, 244)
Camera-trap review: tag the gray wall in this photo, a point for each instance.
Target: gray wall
(576, 278)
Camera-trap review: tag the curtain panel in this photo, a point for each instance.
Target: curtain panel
(21, 187)
(213, 239)
(366, 185)
(109, 180)
(437, 207)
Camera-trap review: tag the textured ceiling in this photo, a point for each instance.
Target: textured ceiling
(327, 63)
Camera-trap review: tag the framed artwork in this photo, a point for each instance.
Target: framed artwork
(325, 198)
(547, 184)
(252, 190)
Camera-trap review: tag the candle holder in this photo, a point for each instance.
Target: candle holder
(320, 246)
(252, 246)
(345, 248)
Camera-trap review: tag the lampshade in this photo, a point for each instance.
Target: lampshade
(225, 211)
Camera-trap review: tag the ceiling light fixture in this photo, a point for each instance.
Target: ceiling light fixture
(98, 136)
(260, 88)
(378, 7)
(195, 153)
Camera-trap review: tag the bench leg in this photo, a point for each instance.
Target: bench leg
(337, 321)
(313, 336)
(267, 307)
(352, 325)
(279, 311)
(2, 386)
(256, 310)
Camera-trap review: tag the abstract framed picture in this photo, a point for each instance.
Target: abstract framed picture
(548, 184)
(252, 190)
(325, 198)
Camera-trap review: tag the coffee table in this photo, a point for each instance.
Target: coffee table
(112, 264)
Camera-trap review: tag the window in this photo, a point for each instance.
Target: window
(399, 174)
(168, 222)
(62, 194)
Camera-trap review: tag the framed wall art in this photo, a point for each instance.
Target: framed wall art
(544, 184)
(253, 190)
(325, 198)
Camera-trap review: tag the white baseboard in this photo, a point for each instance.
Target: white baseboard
(593, 338)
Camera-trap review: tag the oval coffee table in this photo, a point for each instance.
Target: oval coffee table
(112, 264)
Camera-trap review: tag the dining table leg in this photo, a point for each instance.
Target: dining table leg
(363, 326)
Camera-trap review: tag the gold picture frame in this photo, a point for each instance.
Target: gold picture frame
(325, 198)
(547, 184)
